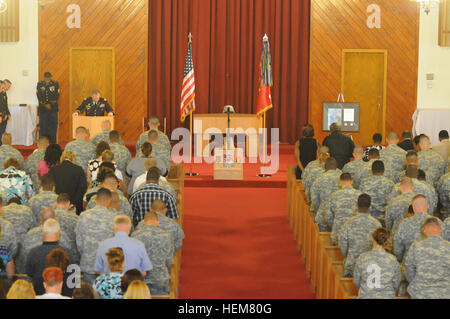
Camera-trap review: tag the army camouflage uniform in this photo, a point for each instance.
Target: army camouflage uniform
(84, 152)
(353, 167)
(355, 238)
(397, 210)
(310, 178)
(311, 165)
(40, 201)
(8, 237)
(162, 156)
(162, 139)
(160, 249)
(124, 206)
(169, 225)
(428, 269)
(390, 274)
(104, 136)
(7, 152)
(4, 197)
(325, 185)
(444, 193)
(342, 207)
(122, 157)
(409, 230)
(94, 226)
(35, 238)
(426, 189)
(395, 156)
(31, 167)
(21, 217)
(433, 165)
(366, 171)
(67, 221)
(446, 229)
(381, 190)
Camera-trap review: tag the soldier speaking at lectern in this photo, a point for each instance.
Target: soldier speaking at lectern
(95, 106)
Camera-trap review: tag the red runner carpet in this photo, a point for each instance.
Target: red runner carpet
(239, 245)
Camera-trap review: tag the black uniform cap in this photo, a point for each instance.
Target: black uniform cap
(47, 75)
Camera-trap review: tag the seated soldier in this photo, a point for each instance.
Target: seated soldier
(323, 187)
(355, 235)
(409, 230)
(159, 210)
(366, 170)
(104, 134)
(46, 198)
(427, 264)
(160, 249)
(354, 166)
(397, 207)
(385, 264)
(421, 187)
(343, 206)
(7, 151)
(159, 151)
(20, 216)
(314, 169)
(430, 161)
(380, 189)
(32, 162)
(393, 154)
(154, 124)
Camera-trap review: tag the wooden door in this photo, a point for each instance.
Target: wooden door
(364, 76)
(91, 68)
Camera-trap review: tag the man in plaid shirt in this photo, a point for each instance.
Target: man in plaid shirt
(141, 201)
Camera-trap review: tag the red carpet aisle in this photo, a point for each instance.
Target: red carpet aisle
(239, 245)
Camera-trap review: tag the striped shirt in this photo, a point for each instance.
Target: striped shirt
(141, 202)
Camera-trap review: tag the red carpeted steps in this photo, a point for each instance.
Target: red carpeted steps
(239, 245)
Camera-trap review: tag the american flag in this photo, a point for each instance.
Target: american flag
(188, 87)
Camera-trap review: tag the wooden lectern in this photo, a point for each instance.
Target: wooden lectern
(92, 123)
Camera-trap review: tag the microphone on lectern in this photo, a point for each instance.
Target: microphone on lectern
(228, 109)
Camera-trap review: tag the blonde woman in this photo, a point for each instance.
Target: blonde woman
(138, 290)
(70, 179)
(21, 289)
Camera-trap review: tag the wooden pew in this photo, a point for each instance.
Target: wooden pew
(176, 179)
(301, 224)
(296, 215)
(289, 190)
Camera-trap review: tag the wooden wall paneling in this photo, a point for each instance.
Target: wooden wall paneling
(122, 25)
(444, 23)
(337, 25)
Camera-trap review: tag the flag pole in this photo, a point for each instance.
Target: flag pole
(264, 147)
(265, 39)
(191, 133)
(190, 146)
